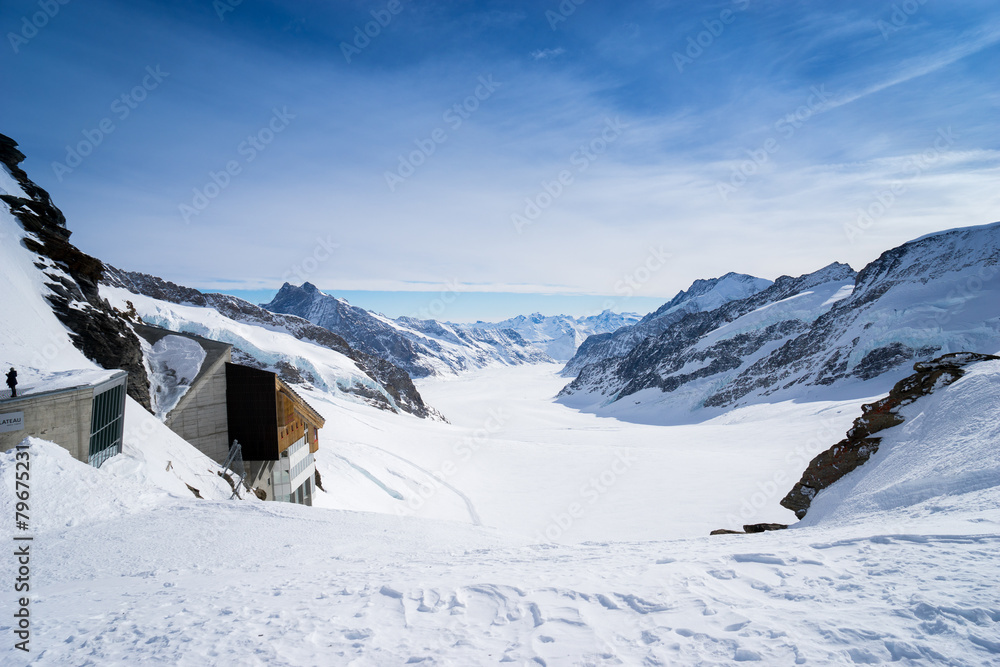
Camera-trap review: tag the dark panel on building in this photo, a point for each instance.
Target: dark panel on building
(253, 418)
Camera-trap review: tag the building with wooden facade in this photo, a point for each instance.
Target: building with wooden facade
(278, 431)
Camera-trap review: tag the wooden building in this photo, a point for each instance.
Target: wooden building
(277, 430)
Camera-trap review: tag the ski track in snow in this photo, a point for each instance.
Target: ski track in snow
(212, 583)
(473, 514)
(164, 579)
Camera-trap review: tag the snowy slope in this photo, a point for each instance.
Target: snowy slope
(397, 390)
(34, 342)
(559, 336)
(944, 455)
(421, 347)
(31, 337)
(932, 296)
(202, 582)
(67, 278)
(936, 295)
(670, 377)
(701, 296)
(311, 364)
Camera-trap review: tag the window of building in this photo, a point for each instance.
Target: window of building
(107, 424)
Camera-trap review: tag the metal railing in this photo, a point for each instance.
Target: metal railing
(234, 463)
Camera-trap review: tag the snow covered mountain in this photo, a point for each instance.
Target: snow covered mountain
(703, 295)
(559, 336)
(301, 353)
(931, 296)
(421, 347)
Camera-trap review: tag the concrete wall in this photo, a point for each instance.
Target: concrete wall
(62, 417)
(200, 416)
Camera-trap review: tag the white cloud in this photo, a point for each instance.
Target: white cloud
(544, 54)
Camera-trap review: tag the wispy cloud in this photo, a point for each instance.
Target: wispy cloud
(546, 54)
(919, 66)
(414, 94)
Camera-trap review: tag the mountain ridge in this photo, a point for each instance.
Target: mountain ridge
(932, 295)
(396, 382)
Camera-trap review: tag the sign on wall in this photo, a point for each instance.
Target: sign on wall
(11, 421)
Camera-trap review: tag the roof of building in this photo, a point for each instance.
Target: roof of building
(214, 349)
(308, 409)
(86, 378)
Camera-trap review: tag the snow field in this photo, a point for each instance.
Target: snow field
(160, 577)
(264, 584)
(537, 469)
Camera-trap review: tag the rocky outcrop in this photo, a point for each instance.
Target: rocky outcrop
(397, 383)
(100, 332)
(750, 528)
(861, 442)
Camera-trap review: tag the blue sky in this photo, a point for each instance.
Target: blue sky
(613, 153)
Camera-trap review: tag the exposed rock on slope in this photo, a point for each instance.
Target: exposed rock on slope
(935, 295)
(421, 347)
(861, 442)
(73, 276)
(393, 379)
(703, 295)
(701, 351)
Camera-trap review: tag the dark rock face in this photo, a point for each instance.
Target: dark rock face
(702, 295)
(393, 379)
(861, 443)
(763, 527)
(936, 294)
(356, 325)
(660, 361)
(98, 331)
